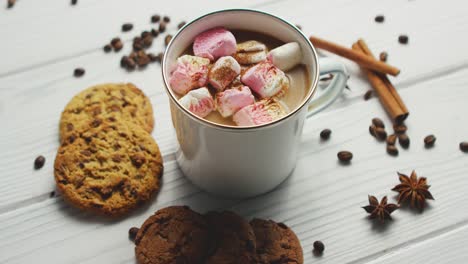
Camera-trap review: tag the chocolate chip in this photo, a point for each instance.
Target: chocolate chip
(464, 146)
(404, 140)
(74, 2)
(11, 3)
(403, 39)
(391, 140)
(181, 24)
(78, 72)
(378, 122)
(154, 32)
(127, 27)
(383, 56)
(137, 160)
(167, 39)
(132, 233)
(345, 156)
(368, 95)
(162, 27)
(429, 141)
(379, 19)
(107, 48)
(166, 19)
(39, 162)
(319, 247)
(392, 150)
(155, 18)
(325, 134)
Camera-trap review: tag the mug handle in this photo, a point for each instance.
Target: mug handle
(334, 88)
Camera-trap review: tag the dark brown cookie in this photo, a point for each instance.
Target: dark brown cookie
(173, 235)
(276, 243)
(232, 239)
(108, 169)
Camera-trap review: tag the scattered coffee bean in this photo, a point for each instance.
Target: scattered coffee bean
(155, 18)
(127, 27)
(153, 57)
(429, 141)
(392, 150)
(464, 146)
(319, 247)
(148, 40)
(154, 32)
(160, 57)
(400, 129)
(181, 24)
(130, 64)
(298, 26)
(142, 59)
(345, 156)
(167, 39)
(325, 134)
(123, 61)
(52, 194)
(378, 122)
(132, 233)
(368, 95)
(379, 19)
(11, 3)
(383, 56)
(380, 133)
(404, 140)
(144, 34)
(391, 140)
(78, 72)
(107, 48)
(166, 19)
(117, 44)
(162, 27)
(39, 162)
(403, 39)
(372, 130)
(74, 2)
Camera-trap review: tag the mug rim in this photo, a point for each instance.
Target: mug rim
(306, 100)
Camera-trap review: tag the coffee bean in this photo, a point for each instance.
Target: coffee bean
(153, 57)
(107, 48)
(127, 27)
(131, 65)
(154, 32)
(160, 56)
(345, 156)
(155, 18)
(379, 19)
(380, 133)
(391, 140)
(117, 44)
(403, 39)
(78, 72)
(404, 140)
(181, 24)
(167, 39)
(132, 233)
(148, 40)
(378, 122)
(325, 134)
(319, 247)
(383, 56)
(368, 95)
(74, 2)
(400, 129)
(429, 141)
(114, 41)
(464, 146)
(166, 19)
(142, 59)
(144, 34)
(39, 162)
(372, 130)
(162, 27)
(123, 61)
(392, 150)
(138, 45)
(11, 3)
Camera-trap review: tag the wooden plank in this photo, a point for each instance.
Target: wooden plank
(321, 200)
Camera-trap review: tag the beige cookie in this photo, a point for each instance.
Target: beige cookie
(108, 169)
(115, 102)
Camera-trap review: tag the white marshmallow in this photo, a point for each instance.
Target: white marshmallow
(198, 101)
(287, 56)
(223, 72)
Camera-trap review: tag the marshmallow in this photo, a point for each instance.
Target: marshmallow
(262, 112)
(232, 100)
(266, 80)
(191, 72)
(198, 101)
(214, 43)
(223, 72)
(287, 56)
(251, 52)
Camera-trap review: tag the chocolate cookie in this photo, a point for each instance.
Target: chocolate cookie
(111, 102)
(232, 239)
(108, 169)
(276, 243)
(173, 235)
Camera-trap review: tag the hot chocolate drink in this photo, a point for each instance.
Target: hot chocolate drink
(240, 78)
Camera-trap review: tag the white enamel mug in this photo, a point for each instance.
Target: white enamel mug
(245, 161)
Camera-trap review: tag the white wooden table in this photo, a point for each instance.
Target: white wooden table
(43, 41)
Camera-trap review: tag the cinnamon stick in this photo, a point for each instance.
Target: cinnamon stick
(383, 88)
(356, 56)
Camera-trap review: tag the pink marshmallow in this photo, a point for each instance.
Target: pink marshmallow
(262, 112)
(198, 101)
(223, 72)
(191, 72)
(214, 43)
(266, 79)
(232, 100)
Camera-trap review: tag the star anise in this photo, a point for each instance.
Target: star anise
(414, 190)
(381, 211)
